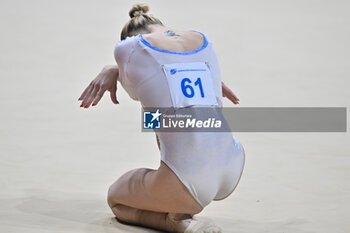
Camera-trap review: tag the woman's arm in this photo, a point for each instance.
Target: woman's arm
(226, 92)
(106, 80)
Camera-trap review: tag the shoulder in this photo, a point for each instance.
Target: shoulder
(127, 41)
(124, 47)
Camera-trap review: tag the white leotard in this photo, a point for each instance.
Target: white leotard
(208, 164)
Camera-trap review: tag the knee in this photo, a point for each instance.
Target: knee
(111, 199)
(118, 212)
(126, 214)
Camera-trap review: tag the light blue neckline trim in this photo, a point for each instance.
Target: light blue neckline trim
(204, 45)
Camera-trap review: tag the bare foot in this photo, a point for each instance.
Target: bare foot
(179, 222)
(190, 224)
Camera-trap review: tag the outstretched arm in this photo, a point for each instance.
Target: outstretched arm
(106, 80)
(226, 92)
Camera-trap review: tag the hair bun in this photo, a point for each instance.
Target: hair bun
(138, 9)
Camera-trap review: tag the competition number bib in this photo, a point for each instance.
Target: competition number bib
(190, 84)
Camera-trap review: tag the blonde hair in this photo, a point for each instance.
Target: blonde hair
(139, 20)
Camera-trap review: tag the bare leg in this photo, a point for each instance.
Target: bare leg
(151, 198)
(155, 190)
(155, 220)
(145, 197)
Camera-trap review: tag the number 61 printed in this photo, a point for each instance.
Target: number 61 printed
(188, 90)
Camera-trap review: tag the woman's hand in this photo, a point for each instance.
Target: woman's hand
(106, 80)
(226, 92)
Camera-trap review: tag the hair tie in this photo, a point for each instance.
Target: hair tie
(137, 13)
